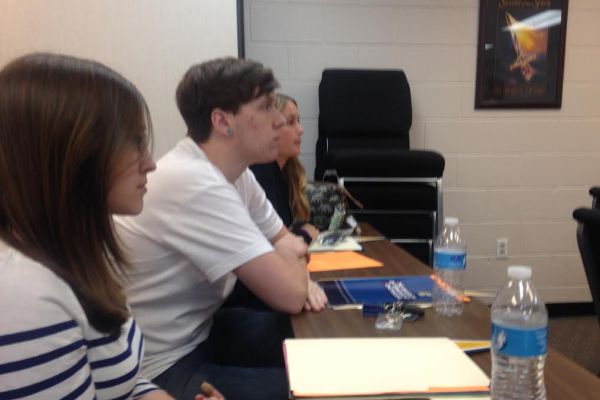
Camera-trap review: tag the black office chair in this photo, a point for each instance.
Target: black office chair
(595, 193)
(364, 109)
(588, 239)
(364, 122)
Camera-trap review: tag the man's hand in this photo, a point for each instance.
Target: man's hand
(279, 277)
(317, 299)
(292, 248)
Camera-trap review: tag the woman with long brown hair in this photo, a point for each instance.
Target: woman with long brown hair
(73, 151)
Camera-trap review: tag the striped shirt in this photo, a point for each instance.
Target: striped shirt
(49, 350)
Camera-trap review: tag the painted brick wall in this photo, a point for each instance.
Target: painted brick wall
(151, 42)
(515, 174)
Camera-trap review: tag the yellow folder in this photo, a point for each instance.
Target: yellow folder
(381, 368)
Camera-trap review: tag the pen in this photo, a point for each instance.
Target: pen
(363, 239)
(468, 293)
(208, 391)
(371, 310)
(346, 307)
(207, 388)
(419, 398)
(354, 306)
(450, 289)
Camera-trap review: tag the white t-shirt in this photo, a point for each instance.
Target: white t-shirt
(49, 350)
(196, 228)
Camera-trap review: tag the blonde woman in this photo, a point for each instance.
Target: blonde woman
(284, 180)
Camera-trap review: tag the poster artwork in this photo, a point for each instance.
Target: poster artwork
(520, 54)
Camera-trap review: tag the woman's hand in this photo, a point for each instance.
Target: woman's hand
(317, 299)
(209, 393)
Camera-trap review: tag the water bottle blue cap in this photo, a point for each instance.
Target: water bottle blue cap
(519, 272)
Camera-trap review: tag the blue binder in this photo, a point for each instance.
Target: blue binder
(379, 290)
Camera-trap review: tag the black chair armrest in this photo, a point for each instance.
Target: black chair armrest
(595, 192)
(386, 162)
(588, 215)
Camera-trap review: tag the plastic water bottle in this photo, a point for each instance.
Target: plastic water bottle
(449, 261)
(337, 219)
(519, 339)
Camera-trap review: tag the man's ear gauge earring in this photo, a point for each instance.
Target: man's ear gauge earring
(229, 132)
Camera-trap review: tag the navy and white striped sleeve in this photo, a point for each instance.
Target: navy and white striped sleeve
(142, 387)
(43, 359)
(47, 347)
(115, 362)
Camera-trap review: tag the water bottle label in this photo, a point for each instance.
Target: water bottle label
(519, 342)
(445, 260)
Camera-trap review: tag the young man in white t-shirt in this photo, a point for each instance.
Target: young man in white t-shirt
(207, 222)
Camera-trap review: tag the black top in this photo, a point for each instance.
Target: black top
(272, 181)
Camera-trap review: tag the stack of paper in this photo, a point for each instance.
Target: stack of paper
(382, 368)
(348, 244)
(473, 346)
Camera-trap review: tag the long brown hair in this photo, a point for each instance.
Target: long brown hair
(294, 174)
(63, 122)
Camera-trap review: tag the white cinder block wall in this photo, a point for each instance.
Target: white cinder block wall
(515, 174)
(151, 42)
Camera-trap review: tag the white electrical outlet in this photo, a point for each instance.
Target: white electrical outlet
(502, 248)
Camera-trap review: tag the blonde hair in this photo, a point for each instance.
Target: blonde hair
(294, 174)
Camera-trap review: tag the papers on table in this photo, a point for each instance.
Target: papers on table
(381, 368)
(473, 346)
(347, 244)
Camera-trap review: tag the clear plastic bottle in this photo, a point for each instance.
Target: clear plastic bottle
(449, 261)
(519, 339)
(337, 219)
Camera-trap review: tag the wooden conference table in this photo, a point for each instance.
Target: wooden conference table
(564, 378)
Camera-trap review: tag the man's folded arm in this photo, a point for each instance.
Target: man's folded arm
(279, 278)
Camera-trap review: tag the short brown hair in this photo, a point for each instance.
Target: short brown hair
(225, 83)
(63, 123)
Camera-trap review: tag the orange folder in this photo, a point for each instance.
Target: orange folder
(336, 260)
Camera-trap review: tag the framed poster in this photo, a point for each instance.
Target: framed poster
(520, 53)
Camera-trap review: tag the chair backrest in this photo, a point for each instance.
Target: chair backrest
(361, 108)
(588, 239)
(595, 193)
